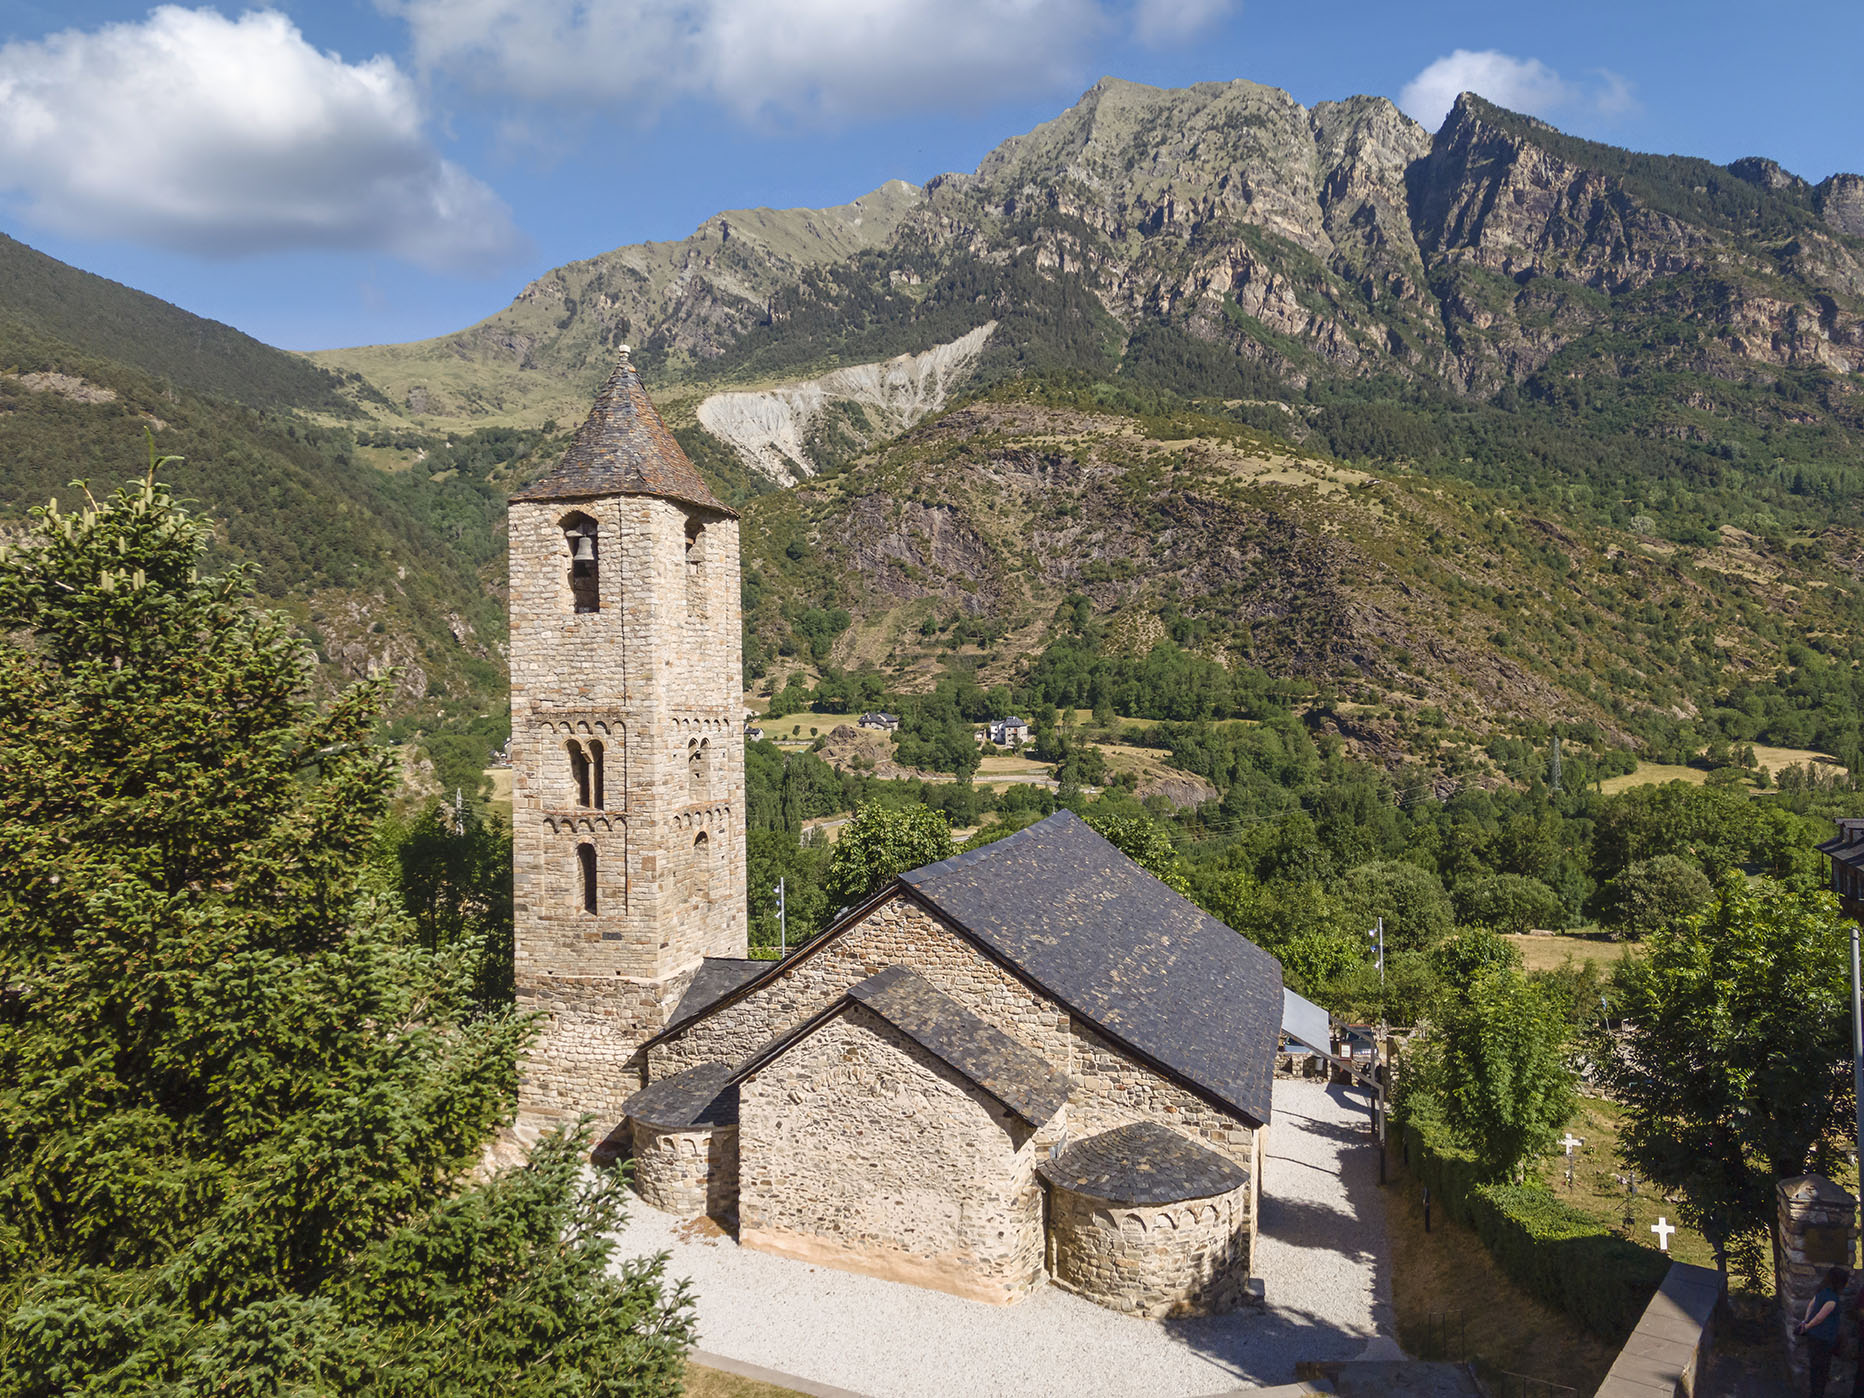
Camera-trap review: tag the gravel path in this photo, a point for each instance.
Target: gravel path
(1321, 1254)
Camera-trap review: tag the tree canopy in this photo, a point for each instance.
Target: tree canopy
(242, 1100)
(1738, 1071)
(880, 843)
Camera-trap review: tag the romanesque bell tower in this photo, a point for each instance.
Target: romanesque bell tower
(627, 755)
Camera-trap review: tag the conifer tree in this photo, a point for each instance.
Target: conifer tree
(240, 1102)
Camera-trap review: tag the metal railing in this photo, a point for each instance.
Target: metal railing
(1503, 1383)
(1445, 1336)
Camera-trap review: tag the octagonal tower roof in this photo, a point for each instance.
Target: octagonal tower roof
(624, 448)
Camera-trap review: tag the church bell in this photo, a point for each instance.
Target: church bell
(585, 549)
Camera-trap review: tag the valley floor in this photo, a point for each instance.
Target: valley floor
(1322, 1254)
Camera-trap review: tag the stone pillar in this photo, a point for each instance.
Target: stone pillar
(1818, 1228)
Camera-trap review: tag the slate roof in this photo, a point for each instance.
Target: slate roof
(698, 1097)
(623, 448)
(1144, 965)
(716, 978)
(1847, 847)
(1014, 1075)
(1144, 1163)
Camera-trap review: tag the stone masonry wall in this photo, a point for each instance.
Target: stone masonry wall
(586, 1059)
(897, 932)
(1113, 1090)
(862, 1151)
(687, 1173)
(653, 677)
(1160, 1260)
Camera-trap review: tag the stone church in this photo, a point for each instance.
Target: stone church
(1030, 1063)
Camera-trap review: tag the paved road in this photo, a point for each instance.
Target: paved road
(1321, 1254)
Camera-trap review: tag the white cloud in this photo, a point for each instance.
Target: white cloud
(1158, 23)
(227, 137)
(1519, 84)
(788, 59)
(1614, 97)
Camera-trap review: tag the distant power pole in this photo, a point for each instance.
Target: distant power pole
(783, 925)
(1553, 764)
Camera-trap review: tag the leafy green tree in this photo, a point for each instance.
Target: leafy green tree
(879, 844)
(1739, 1070)
(241, 1100)
(1509, 903)
(1498, 1065)
(1300, 925)
(1416, 910)
(1655, 893)
(1472, 951)
(1403, 995)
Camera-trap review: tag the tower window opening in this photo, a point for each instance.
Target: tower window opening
(695, 565)
(585, 863)
(698, 757)
(579, 532)
(595, 776)
(579, 770)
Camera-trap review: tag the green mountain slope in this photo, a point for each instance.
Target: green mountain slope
(111, 321)
(1427, 617)
(387, 570)
(680, 302)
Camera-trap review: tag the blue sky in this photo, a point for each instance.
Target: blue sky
(365, 171)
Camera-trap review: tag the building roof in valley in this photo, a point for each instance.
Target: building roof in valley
(1142, 964)
(1016, 1076)
(699, 1097)
(1143, 1163)
(1847, 847)
(623, 448)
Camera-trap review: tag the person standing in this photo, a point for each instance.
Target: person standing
(1820, 1327)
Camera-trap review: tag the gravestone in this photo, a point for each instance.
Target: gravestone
(1818, 1229)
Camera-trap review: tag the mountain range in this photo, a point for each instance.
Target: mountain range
(1472, 432)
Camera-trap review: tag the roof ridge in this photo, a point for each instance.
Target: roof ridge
(966, 858)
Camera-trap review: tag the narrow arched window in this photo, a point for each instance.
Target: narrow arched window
(579, 534)
(698, 755)
(595, 775)
(585, 864)
(579, 771)
(695, 565)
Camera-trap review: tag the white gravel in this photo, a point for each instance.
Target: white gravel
(1321, 1255)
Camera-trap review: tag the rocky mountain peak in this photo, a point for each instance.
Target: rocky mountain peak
(1768, 174)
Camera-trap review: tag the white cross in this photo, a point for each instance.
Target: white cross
(1569, 1140)
(1663, 1228)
